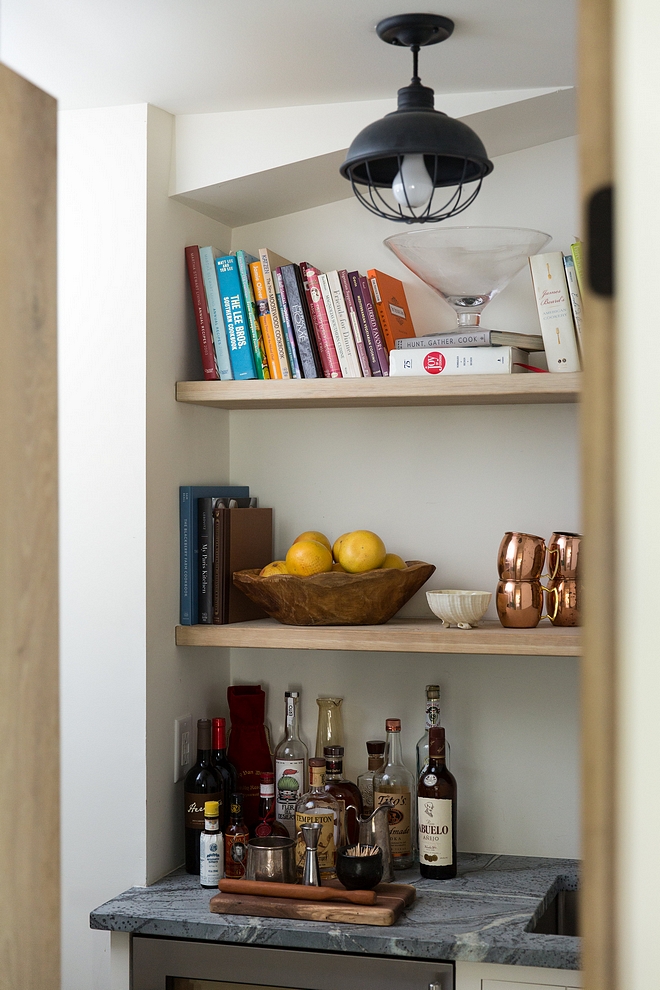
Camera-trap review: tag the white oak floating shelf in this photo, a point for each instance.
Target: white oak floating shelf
(457, 390)
(397, 636)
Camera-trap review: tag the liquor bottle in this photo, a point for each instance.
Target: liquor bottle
(267, 823)
(376, 756)
(330, 727)
(394, 785)
(346, 794)
(436, 809)
(290, 760)
(237, 836)
(211, 852)
(201, 784)
(432, 717)
(225, 771)
(318, 805)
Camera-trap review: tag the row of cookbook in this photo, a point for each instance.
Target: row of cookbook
(266, 317)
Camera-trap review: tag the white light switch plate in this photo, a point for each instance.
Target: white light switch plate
(183, 746)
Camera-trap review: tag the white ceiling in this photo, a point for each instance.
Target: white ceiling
(197, 56)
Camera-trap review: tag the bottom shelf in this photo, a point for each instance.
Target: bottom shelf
(397, 636)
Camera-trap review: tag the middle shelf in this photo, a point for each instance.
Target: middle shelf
(396, 636)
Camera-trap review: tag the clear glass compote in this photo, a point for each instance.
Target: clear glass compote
(467, 266)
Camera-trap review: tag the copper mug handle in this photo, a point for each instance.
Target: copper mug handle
(552, 574)
(556, 594)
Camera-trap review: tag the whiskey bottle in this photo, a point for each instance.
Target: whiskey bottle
(346, 794)
(376, 759)
(432, 717)
(237, 836)
(394, 785)
(436, 811)
(318, 805)
(267, 823)
(290, 760)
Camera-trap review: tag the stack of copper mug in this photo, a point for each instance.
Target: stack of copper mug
(520, 562)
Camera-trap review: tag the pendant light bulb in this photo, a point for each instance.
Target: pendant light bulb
(412, 184)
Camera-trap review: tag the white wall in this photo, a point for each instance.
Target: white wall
(440, 484)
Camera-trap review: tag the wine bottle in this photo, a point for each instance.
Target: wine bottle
(436, 812)
(394, 785)
(224, 769)
(431, 717)
(201, 784)
(290, 760)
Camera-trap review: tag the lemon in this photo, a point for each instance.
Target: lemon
(361, 551)
(313, 534)
(275, 567)
(393, 560)
(308, 557)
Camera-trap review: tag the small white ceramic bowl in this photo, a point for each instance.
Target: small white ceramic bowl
(459, 608)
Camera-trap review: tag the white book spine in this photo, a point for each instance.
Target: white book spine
(278, 330)
(477, 338)
(458, 361)
(344, 323)
(575, 297)
(555, 314)
(342, 357)
(207, 257)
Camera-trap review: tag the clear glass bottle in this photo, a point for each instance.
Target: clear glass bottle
(436, 811)
(318, 805)
(330, 730)
(376, 758)
(290, 765)
(394, 785)
(432, 717)
(211, 851)
(345, 792)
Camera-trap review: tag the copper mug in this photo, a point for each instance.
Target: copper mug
(567, 611)
(521, 557)
(564, 555)
(520, 603)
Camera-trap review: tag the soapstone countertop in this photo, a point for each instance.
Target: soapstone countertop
(480, 916)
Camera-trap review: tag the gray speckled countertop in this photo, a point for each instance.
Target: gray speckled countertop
(480, 916)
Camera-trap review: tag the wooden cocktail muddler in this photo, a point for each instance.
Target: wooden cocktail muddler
(296, 891)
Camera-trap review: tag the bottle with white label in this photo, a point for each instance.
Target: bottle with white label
(290, 765)
(395, 785)
(436, 812)
(211, 847)
(431, 717)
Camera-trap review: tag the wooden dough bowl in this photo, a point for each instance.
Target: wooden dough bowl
(335, 599)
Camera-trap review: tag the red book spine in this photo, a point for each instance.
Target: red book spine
(202, 317)
(327, 351)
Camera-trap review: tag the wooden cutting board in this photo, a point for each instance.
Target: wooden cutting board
(391, 899)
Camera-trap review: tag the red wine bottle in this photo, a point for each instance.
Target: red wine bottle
(224, 769)
(436, 812)
(202, 784)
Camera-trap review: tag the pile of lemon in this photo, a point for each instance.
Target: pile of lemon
(312, 553)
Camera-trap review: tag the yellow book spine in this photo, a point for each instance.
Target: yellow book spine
(265, 321)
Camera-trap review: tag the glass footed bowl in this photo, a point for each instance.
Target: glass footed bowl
(467, 266)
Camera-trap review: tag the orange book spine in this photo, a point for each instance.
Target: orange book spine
(391, 306)
(265, 320)
(388, 336)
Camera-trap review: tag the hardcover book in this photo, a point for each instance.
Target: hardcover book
(392, 307)
(458, 361)
(269, 262)
(244, 261)
(574, 296)
(205, 558)
(374, 326)
(265, 320)
(345, 363)
(189, 544)
(287, 324)
(235, 316)
(202, 317)
(326, 345)
(476, 338)
(555, 314)
(577, 255)
(207, 256)
(345, 328)
(358, 335)
(361, 310)
(243, 539)
(301, 320)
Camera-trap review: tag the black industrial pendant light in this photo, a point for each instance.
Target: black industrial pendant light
(416, 150)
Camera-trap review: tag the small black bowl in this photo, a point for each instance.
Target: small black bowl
(359, 872)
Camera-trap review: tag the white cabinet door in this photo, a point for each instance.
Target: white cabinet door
(499, 985)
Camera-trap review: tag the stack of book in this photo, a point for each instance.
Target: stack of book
(221, 531)
(269, 318)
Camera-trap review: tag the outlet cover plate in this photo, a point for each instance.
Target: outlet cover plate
(183, 746)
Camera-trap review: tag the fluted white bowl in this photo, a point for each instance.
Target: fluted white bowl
(459, 608)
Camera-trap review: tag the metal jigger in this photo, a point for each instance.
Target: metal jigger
(311, 834)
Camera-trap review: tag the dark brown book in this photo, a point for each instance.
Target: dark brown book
(248, 544)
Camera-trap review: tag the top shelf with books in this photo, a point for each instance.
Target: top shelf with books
(323, 393)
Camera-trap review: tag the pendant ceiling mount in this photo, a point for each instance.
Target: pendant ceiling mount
(416, 149)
